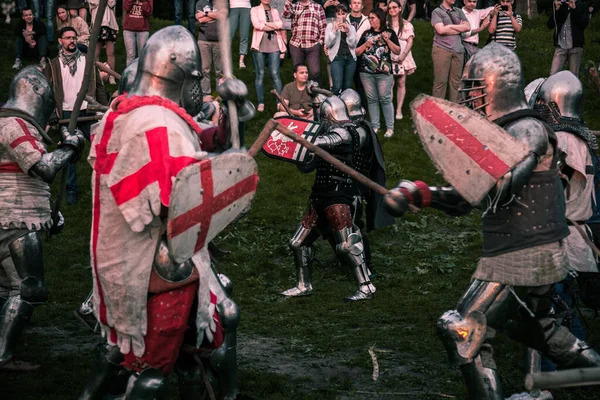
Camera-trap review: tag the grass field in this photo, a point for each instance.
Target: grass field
(316, 347)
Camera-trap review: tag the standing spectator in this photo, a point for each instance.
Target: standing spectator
(267, 45)
(361, 23)
(30, 39)
(65, 74)
(136, 26)
(374, 49)
(287, 25)
(190, 8)
(340, 42)
(64, 19)
(208, 41)
(49, 11)
(329, 7)
(568, 20)
(7, 9)
(505, 24)
(479, 20)
(239, 15)
(381, 4)
(77, 8)
(295, 96)
(448, 52)
(308, 34)
(108, 33)
(404, 63)
(411, 11)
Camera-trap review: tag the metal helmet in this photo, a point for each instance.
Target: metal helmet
(565, 90)
(30, 92)
(353, 102)
(128, 77)
(492, 82)
(532, 90)
(333, 109)
(170, 66)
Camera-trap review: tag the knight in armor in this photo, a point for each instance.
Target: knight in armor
(142, 298)
(27, 170)
(332, 203)
(524, 230)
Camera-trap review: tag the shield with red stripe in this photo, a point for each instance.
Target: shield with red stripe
(206, 197)
(281, 147)
(471, 152)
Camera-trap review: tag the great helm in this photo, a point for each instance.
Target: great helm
(29, 91)
(492, 82)
(565, 90)
(353, 102)
(128, 77)
(333, 109)
(170, 62)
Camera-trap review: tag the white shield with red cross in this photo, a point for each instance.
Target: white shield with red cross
(281, 147)
(471, 152)
(206, 197)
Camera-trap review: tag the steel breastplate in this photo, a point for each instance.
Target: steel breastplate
(533, 217)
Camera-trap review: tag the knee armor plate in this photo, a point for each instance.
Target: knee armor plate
(462, 336)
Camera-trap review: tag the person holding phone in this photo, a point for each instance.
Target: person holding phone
(295, 96)
(505, 24)
(340, 41)
(568, 19)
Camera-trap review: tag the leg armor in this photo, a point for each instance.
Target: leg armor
(106, 367)
(224, 359)
(150, 384)
(191, 382)
(85, 313)
(350, 250)
(304, 252)
(26, 254)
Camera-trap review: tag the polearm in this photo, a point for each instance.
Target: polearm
(564, 378)
(89, 70)
(109, 71)
(225, 48)
(285, 106)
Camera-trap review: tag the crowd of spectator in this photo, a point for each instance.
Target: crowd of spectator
(367, 44)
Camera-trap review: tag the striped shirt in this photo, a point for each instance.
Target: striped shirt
(505, 32)
(308, 23)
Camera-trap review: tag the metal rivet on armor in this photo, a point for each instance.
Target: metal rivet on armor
(534, 228)
(532, 211)
(468, 172)
(440, 141)
(533, 201)
(519, 213)
(173, 57)
(531, 186)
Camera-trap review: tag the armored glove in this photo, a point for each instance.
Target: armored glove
(395, 202)
(74, 140)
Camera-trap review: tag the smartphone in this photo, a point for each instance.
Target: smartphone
(504, 8)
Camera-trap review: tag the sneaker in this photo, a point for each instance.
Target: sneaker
(260, 108)
(376, 130)
(43, 63)
(399, 116)
(389, 133)
(17, 64)
(242, 65)
(111, 80)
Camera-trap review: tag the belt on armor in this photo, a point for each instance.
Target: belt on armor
(571, 223)
(339, 178)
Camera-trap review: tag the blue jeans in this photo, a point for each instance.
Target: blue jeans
(50, 15)
(378, 88)
(134, 42)
(191, 10)
(240, 17)
(342, 72)
(85, 129)
(259, 66)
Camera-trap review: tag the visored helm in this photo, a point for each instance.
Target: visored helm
(172, 55)
(492, 82)
(333, 109)
(353, 102)
(128, 77)
(29, 91)
(565, 90)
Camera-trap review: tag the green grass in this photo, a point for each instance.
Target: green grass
(314, 347)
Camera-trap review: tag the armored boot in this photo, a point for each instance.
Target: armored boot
(224, 359)
(85, 313)
(581, 355)
(106, 368)
(16, 313)
(482, 381)
(150, 384)
(350, 251)
(303, 258)
(192, 385)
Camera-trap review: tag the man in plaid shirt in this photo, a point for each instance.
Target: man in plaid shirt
(308, 34)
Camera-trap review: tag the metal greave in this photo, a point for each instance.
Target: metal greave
(224, 359)
(16, 313)
(482, 383)
(104, 371)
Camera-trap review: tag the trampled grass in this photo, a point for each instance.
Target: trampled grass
(315, 347)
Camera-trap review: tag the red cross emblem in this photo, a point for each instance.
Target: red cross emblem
(206, 197)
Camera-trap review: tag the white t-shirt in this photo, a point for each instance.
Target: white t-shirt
(72, 84)
(239, 4)
(475, 17)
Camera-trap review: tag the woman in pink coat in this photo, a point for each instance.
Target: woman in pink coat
(267, 45)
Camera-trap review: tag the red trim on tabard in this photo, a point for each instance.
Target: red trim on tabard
(425, 193)
(473, 148)
(161, 168)
(10, 168)
(211, 204)
(27, 137)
